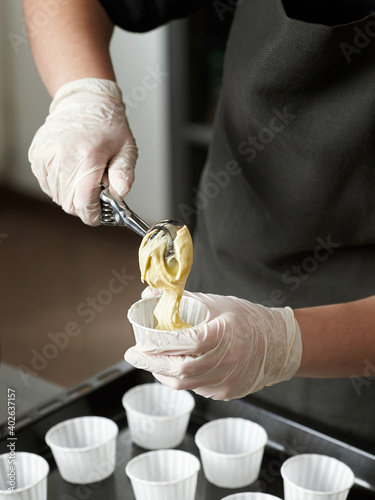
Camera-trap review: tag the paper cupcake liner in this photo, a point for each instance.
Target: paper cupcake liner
(84, 448)
(231, 451)
(31, 473)
(251, 496)
(141, 315)
(316, 477)
(164, 475)
(157, 415)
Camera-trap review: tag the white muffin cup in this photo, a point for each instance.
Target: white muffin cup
(251, 496)
(143, 321)
(164, 475)
(316, 477)
(157, 415)
(30, 475)
(231, 451)
(84, 448)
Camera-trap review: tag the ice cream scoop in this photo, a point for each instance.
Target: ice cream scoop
(115, 212)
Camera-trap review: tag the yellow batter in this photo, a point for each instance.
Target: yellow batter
(168, 275)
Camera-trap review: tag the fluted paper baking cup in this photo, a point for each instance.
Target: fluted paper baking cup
(157, 415)
(141, 315)
(23, 476)
(164, 475)
(316, 477)
(251, 496)
(84, 448)
(231, 451)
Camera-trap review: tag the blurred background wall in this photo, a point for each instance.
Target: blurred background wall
(3, 84)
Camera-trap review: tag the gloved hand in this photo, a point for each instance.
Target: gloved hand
(85, 131)
(242, 348)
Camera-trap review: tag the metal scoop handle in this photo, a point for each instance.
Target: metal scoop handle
(115, 212)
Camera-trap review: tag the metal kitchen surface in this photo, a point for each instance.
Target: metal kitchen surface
(102, 395)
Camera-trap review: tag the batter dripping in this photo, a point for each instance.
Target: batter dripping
(168, 274)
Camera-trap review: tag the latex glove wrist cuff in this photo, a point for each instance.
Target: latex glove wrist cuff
(97, 86)
(294, 348)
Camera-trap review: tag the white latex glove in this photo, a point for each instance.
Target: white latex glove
(85, 132)
(242, 348)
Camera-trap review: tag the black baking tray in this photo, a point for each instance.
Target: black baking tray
(102, 395)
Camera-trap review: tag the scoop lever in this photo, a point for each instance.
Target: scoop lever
(115, 212)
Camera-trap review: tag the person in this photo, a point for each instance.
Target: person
(284, 251)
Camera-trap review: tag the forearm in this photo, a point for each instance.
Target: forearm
(73, 44)
(338, 340)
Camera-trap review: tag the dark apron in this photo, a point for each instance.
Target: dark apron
(286, 204)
